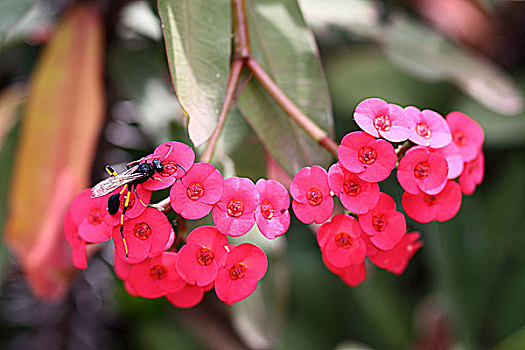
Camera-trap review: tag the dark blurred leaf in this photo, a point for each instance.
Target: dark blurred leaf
(10, 12)
(284, 46)
(198, 39)
(63, 118)
(140, 76)
(515, 341)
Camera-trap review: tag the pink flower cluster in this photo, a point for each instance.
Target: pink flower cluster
(145, 256)
(435, 151)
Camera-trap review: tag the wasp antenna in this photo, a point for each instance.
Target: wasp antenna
(180, 166)
(169, 152)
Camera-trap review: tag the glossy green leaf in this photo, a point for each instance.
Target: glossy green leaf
(284, 46)
(197, 35)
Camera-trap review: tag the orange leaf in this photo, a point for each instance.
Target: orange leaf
(64, 115)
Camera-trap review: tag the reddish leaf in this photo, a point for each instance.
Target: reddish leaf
(63, 118)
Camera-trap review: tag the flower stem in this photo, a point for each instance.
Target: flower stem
(235, 73)
(291, 109)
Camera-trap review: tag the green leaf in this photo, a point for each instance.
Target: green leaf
(284, 46)
(198, 42)
(10, 12)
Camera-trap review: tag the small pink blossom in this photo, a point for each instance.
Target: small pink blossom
(199, 260)
(245, 265)
(146, 236)
(194, 195)
(467, 135)
(356, 195)
(422, 170)
(396, 259)
(233, 213)
(340, 241)
(441, 207)
(272, 215)
(78, 254)
(138, 201)
(472, 174)
(87, 215)
(312, 201)
(453, 158)
(372, 160)
(385, 226)
(155, 277)
(428, 128)
(176, 158)
(381, 119)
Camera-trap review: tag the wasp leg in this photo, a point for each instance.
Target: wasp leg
(134, 188)
(124, 209)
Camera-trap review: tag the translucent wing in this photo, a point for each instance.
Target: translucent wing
(112, 183)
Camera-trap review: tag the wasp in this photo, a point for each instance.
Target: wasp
(136, 173)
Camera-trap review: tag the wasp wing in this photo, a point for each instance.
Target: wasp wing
(112, 183)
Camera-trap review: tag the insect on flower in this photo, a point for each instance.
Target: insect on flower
(137, 172)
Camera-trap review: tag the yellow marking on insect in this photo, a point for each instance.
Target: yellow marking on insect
(110, 171)
(124, 189)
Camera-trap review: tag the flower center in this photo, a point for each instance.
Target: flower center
(237, 271)
(423, 130)
(314, 196)
(235, 208)
(169, 168)
(158, 272)
(431, 200)
(195, 191)
(352, 188)
(379, 222)
(344, 240)
(382, 122)
(142, 231)
(367, 155)
(422, 170)
(131, 202)
(94, 217)
(459, 138)
(205, 256)
(267, 210)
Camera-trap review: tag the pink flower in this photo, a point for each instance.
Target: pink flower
(351, 275)
(472, 175)
(199, 260)
(396, 259)
(428, 128)
(245, 265)
(356, 195)
(422, 170)
(340, 241)
(372, 160)
(467, 135)
(312, 201)
(385, 226)
(155, 277)
(453, 158)
(195, 194)
(381, 119)
(78, 254)
(87, 214)
(188, 296)
(136, 205)
(176, 158)
(441, 207)
(145, 236)
(272, 215)
(233, 213)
